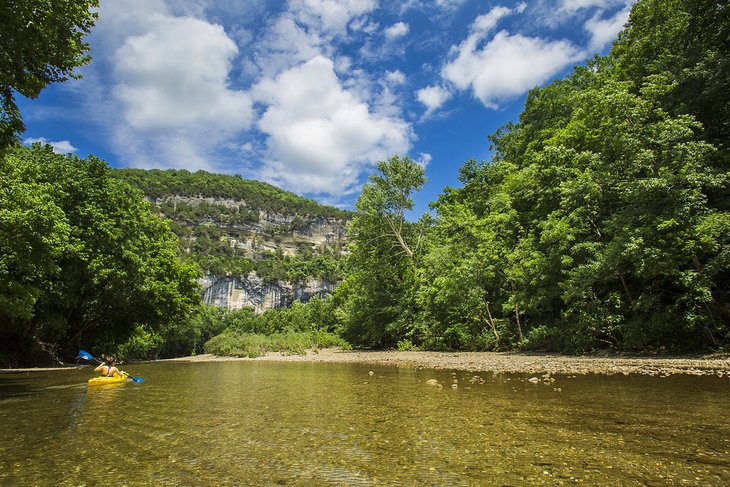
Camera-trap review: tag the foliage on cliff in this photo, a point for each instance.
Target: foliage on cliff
(207, 228)
(257, 196)
(601, 222)
(83, 259)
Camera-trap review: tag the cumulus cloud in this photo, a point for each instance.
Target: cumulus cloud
(433, 97)
(176, 75)
(59, 146)
(320, 135)
(603, 31)
(448, 4)
(397, 30)
(571, 11)
(506, 65)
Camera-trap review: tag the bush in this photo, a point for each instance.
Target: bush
(234, 343)
(406, 346)
(143, 344)
(541, 338)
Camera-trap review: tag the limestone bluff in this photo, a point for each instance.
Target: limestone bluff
(258, 246)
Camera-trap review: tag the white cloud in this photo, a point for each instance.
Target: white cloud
(330, 16)
(603, 31)
(59, 146)
(506, 65)
(286, 44)
(449, 4)
(433, 97)
(484, 24)
(365, 25)
(120, 19)
(572, 6)
(321, 136)
(395, 77)
(397, 30)
(576, 11)
(424, 159)
(176, 75)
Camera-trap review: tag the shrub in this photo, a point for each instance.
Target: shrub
(234, 343)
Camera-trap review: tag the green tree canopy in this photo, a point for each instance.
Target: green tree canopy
(384, 245)
(41, 42)
(602, 221)
(84, 259)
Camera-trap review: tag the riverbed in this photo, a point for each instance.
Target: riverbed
(296, 422)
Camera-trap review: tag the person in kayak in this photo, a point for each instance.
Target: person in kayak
(109, 369)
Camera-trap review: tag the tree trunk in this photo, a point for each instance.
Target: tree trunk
(517, 313)
(519, 325)
(491, 321)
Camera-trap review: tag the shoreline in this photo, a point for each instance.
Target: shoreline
(503, 362)
(496, 362)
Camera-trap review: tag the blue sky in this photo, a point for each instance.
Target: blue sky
(310, 94)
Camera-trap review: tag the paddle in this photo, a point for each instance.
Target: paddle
(87, 356)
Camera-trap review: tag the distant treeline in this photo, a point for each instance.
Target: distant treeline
(86, 262)
(257, 195)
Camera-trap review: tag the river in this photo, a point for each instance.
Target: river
(267, 423)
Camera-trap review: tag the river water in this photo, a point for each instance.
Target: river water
(267, 423)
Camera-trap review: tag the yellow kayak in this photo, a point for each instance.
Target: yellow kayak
(103, 380)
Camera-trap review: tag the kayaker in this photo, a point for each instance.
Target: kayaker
(109, 369)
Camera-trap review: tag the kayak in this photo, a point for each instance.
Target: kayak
(103, 380)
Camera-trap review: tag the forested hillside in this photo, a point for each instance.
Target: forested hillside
(257, 196)
(233, 226)
(600, 223)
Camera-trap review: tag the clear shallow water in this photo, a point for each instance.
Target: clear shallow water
(254, 423)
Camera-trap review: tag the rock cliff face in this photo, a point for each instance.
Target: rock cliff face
(252, 291)
(254, 235)
(262, 231)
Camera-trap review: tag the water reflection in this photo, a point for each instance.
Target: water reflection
(255, 423)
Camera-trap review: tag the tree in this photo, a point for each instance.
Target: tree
(602, 221)
(376, 299)
(35, 233)
(41, 42)
(384, 201)
(84, 259)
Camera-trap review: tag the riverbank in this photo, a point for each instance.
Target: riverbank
(498, 362)
(506, 362)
